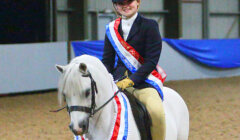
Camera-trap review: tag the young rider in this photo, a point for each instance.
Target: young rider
(137, 43)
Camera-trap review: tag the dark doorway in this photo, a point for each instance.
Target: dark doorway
(22, 21)
(76, 20)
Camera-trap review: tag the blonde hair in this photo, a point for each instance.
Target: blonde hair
(118, 14)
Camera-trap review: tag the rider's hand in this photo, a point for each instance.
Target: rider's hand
(125, 83)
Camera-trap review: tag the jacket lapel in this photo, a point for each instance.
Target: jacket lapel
(120, 29)
(135, 27)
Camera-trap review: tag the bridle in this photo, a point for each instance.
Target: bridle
(90, 110)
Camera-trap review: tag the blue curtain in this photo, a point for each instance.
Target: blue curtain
(94, 48)
(220, 53)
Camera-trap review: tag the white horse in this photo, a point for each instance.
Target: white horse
(84, 77)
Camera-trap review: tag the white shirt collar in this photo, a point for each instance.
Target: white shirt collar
(127, 25)
(130, 20)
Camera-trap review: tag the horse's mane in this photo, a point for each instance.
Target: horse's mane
(71, 80)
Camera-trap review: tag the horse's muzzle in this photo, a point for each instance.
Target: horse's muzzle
(83, 128)
(78, 132)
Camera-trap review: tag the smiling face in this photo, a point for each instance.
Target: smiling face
(127, 8)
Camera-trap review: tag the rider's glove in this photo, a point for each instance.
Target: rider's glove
(125, 83)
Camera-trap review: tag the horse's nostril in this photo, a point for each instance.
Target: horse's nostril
(71, 126)
(82, 125)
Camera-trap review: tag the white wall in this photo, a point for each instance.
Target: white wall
(29, 67)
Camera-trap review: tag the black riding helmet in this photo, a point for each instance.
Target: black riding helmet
(117, 1)
(121, 1)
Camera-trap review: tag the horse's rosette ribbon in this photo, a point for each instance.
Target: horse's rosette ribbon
(120, 128)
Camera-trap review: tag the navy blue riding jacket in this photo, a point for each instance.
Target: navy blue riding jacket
(144, 37)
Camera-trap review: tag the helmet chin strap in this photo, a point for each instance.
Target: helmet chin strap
(116, 12)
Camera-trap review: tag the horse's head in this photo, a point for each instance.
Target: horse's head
(78, 87)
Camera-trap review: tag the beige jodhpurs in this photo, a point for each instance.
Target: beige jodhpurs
(151, 99)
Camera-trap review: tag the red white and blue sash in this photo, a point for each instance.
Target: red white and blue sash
(120, 128)
(131, 58)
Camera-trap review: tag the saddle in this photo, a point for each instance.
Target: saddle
(141, 116)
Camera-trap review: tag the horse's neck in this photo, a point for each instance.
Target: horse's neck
(102, 123)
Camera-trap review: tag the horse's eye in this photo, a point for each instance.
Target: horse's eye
(87, 93)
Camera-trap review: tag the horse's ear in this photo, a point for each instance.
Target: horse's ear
(83, 68)
(60, 68)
